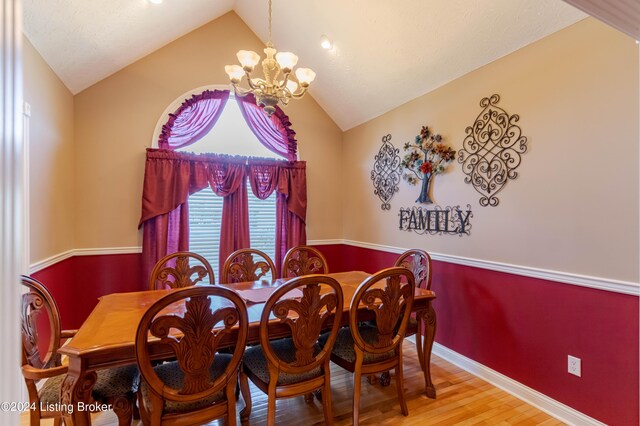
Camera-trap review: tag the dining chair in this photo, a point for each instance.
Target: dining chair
(39, 313)
(200, 385)
(419, 262)
(176, 271)
(366, 348)
(303, 260)
(241, 266)
(298, 365)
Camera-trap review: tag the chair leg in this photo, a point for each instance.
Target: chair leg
(123, 408)
(246, 395)
(271, 404)
(231, 403)
(357, 379)
(155, 410)
(326, 401)
(419, 343)
(400, 388)
(56, 422)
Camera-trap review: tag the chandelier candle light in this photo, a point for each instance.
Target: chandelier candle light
(274, 87)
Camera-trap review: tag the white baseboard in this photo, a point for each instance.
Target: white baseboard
(550, 406)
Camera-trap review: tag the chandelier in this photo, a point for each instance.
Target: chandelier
(278, 84)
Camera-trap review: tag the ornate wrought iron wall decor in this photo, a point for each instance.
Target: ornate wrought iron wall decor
(437, 220)
(386, 172)
(491, 150)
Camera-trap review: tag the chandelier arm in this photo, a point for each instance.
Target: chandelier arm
(298, 95)
(240, 91)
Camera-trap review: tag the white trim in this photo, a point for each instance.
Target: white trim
(11, 201)
(324, 242)
(26, 204)
(550, 406)
(49, 261)
(616, 286)
(103, 251)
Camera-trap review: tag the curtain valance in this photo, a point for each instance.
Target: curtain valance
(170, 177)
(194, 119)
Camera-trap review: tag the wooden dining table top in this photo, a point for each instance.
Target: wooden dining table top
(107, 336)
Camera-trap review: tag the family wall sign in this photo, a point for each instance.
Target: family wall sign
(452, 220)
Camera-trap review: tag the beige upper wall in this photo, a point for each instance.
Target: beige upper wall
(115, 120)
(574, 207)
(51, 158)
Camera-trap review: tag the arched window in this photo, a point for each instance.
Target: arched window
(230, 136)
(210, 146)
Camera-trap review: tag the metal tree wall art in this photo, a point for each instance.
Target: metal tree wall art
(386, 172)
(491, 150)
(424, 158)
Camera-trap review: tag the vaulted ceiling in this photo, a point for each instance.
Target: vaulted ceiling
(386, 52)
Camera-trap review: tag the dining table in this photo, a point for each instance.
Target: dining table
(106, 339)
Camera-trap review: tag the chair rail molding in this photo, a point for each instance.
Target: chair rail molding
(606, 284)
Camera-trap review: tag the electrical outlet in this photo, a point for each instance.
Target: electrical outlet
(574, 366)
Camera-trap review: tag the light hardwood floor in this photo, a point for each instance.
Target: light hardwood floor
(463, 399)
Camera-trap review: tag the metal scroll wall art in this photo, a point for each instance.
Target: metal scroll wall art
(386, 172)
(491, 150)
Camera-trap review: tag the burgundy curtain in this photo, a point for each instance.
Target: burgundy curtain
(291, 209)
(169, 179)
(228, 179)
(194, 119)
(290, 183)
(273, 132)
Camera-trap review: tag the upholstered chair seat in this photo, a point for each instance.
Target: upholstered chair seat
(111, 383)
(344, 346)
(172, 375)
(256, 363)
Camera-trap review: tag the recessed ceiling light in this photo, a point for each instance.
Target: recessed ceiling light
(155, 1)
(325, 42)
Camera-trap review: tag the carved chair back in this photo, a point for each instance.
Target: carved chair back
(320, 307)
(209, 314)
(303, 260)
(175, 271)
(391, 303)
(36, 302)
(241, 266)
(419, 262)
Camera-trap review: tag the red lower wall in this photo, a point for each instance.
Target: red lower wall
(77, 283)
(525, 327)
(521, 327)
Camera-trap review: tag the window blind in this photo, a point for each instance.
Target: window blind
(205, 216)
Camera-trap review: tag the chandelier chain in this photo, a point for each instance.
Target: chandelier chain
(270, 21)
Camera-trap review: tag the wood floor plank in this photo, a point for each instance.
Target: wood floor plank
(463, 399)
